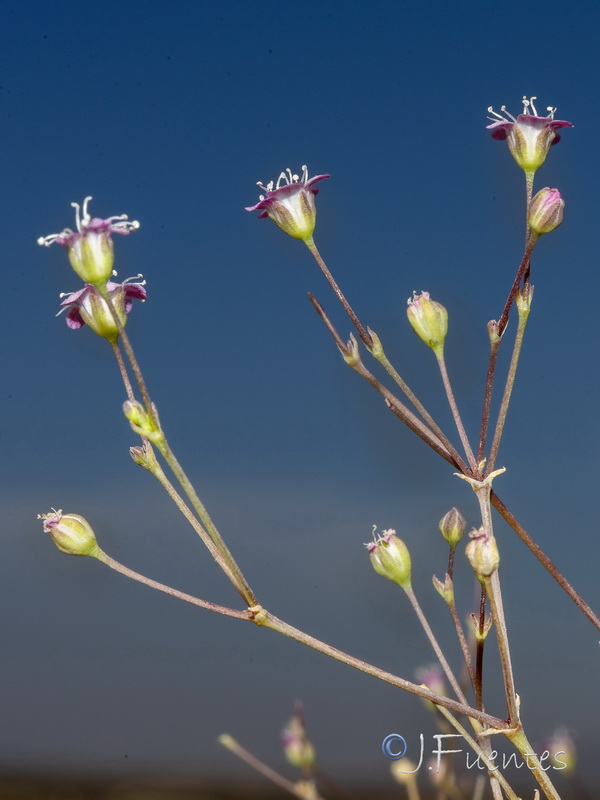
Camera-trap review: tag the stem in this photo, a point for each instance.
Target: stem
(275, 624)
(152, 465)
(122, 369)
(332, 282)
(379, 354)
(493, 772)
(510, 381)
(489, 386)
(137, 372)
(187, 598)
(245, 755)
(435, 644)
(352, 358)
(240, 583)
(480, 647)
(439, 354)
(544, 560)
(531, 242)
(520, 742)
(492, 587)
(494, 592)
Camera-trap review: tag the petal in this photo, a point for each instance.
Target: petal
(73, 318)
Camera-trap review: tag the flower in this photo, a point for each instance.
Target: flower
(291, 206)
(90, 249)
(87, 306)
(546, 211)
(529, 136)
(390, 558)
(429, 320)
(71, 533)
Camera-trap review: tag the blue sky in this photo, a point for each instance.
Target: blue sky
(171, 115)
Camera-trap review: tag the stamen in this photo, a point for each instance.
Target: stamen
(552, 111)
(86, 215)
(77, 215)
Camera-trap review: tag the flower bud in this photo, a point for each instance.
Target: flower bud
(452, 526)
(429, 320)
(561, 749)
(546, 211)
(390, 558)
(71, 533)
(298, 750)
(482, 552)
(142, 423)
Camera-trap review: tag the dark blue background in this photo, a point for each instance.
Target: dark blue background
(171, 113)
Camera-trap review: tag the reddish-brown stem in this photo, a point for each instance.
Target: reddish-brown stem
(544, 560)
(479, 652)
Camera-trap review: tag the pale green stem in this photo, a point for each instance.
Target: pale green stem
(439, 354)
(122, 369)
(435, 644)
(239, 580)
(519, 740)
(154, 468)
(245, 755)
(380, 355)
(510, 381)
(187, 598)
(241, 583)
(483, 752)
(494, 593)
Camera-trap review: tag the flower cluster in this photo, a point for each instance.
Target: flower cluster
(101, 302)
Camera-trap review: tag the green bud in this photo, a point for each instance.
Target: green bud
(390, 558)
(429, 320)
(71, 533)
(142, 423)
(298, 750)
(452, 526)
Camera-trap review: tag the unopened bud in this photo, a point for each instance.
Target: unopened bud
(298, 750)
(71, 533)
(390, 558)
(142, 423)
(452, 526)
(429, 320)
(482, 552)
(546, 211)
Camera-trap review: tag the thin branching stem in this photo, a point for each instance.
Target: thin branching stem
(439, 354)
(368, 342)
(510, 380)
(435, 644)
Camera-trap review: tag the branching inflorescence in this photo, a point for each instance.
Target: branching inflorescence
(103, 305)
